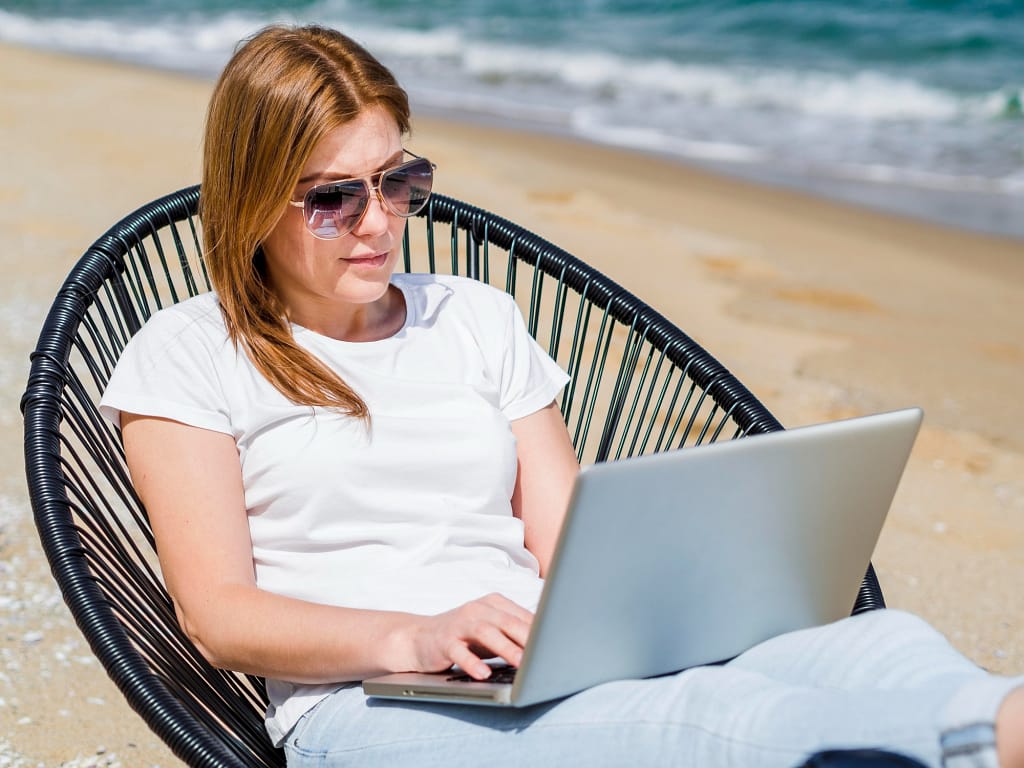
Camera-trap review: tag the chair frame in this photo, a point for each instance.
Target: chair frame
(130, 625)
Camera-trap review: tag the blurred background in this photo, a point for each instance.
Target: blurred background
(908, 106)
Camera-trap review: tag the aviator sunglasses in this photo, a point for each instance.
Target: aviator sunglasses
(335, 208)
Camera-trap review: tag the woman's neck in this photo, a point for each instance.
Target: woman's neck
(372, 321)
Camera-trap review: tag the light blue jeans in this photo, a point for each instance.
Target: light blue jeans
(881, 679)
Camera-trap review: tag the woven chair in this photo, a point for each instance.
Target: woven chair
(639, 385)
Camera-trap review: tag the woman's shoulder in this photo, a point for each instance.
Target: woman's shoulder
(196, 319)
(455, 291)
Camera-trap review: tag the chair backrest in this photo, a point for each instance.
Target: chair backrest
(639, 385)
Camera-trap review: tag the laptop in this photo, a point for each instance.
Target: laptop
(692, 556)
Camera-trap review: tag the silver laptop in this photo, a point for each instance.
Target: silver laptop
(691, 557)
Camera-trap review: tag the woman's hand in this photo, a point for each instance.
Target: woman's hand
(484, 628)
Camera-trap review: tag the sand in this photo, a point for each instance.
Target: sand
(823, 310)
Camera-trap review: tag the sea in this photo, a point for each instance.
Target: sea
(910, 106)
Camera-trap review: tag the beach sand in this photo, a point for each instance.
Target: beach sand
(822, 310)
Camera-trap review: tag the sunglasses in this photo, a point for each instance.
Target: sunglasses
(335, 208)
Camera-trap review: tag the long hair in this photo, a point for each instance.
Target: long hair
(281, 93)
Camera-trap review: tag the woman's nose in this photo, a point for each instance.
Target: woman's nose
(376, 218)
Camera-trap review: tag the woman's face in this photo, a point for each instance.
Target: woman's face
(314, 278)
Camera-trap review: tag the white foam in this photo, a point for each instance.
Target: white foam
(499, 106)
(864, 95)
(594, 126)
(171, 42)
(866, 126)
(924, 179)
(436, 43)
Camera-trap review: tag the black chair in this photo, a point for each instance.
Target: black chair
(639, 385)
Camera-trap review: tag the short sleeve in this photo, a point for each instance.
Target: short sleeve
(530, 379)
(172, 368)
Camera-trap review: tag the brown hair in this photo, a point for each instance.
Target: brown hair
(280, 94)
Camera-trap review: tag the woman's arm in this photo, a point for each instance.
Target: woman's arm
(547, 471)
(189, 480)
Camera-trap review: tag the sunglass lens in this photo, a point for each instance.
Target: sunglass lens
(407, 187)
(333, 210)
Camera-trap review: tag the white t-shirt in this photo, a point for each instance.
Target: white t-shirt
(411, 514)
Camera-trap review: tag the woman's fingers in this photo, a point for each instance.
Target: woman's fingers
(469, 662)
(508, 606)
(498, 642)
(492, 626)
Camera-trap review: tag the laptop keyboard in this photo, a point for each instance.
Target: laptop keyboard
(498, 675)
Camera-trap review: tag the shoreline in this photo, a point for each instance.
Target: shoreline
(927, 204)
(843, 192)
(822, 309)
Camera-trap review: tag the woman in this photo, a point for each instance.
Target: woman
(377, 474)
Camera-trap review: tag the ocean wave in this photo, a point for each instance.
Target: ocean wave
(1012, 184)
(188, 44)
(853, 122)
(203, 42)
(734, 155)
(864, 95)
(592, 126)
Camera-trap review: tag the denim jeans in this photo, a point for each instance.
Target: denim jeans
(880, 679)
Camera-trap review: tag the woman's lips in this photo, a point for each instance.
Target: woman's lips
(369, 261)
